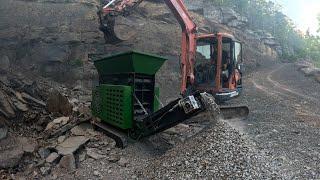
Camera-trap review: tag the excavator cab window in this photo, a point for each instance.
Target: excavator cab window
(238, 56)
(205, 69)
(227, 61)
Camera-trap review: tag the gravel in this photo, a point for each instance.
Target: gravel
(274, 142)
(218, 153)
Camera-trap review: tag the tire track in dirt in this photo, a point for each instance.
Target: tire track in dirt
(272, 87)
(284, 87)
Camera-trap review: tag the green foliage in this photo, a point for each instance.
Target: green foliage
(267, 16)
(319, 23)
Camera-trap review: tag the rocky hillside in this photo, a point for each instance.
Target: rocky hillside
(54, 38)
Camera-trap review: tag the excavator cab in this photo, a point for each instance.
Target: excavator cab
(218, 67)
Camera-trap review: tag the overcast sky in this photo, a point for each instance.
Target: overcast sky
(302, 12)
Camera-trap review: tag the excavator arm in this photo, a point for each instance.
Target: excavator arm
(177, 7)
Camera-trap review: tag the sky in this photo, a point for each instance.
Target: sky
(303, 13)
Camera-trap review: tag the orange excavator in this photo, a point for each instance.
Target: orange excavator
(209, 62)
(211, 66)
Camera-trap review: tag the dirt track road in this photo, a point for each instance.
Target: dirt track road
(284, 120)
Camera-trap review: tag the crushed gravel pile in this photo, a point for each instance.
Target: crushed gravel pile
(219, 153)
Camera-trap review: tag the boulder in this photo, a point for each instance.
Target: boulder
(72, 144)
(68, 162)
(56, 123)
(57, 103)
(233, 19)
(310, 71)
(10, 152)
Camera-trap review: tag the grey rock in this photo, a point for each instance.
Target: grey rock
(113, 158)
(56, 123)
(10, 152)
(59, 103)
(52, 158)
(29, 98)
(82, 156)
(96, 173)
(3, 130)
(78, 131)
(6, 107)
(123, 162)
(21, 106)
(91, 152)
(68, 162)
(4, 62)
(82, 129)
(44, 152)
(28, 145)
(72, 144)
(61, 139)
(45, 170)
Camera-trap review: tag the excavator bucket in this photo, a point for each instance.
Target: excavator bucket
(235, 112)
(107, 24)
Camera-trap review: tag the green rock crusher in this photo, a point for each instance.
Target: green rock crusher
(126, 91)
(126, 99)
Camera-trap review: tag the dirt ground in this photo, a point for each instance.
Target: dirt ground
(284, 119)
(279, 139)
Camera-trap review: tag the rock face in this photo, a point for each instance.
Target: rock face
(54, 38)
(222, 15)
(51, 37)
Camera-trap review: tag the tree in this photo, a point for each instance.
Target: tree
(266, 16)
(319, 23)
